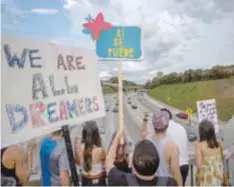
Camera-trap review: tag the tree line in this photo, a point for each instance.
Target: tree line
(190, 75)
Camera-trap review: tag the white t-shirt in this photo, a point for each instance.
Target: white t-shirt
(178, 134)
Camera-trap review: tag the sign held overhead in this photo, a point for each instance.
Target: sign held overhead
(45, 87)
(114, 42)
(207, 110)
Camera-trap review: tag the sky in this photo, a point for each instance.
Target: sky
(177, 34)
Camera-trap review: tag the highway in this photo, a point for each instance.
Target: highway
(108, 124)
(132, 122)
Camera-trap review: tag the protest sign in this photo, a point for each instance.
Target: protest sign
(207, 110)
(46, 86)
(115, 43)
(120, 42)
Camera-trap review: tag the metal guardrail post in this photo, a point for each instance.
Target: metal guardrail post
(191, 177)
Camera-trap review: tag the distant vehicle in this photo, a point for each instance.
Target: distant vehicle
(115, 109)
(117, 104)
(182, 115)
(191, 137)
(134, 107)
(129, 102)
(107, 109)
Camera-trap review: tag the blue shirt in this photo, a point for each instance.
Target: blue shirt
(53, 159)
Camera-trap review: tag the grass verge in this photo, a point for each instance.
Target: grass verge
(184, 95)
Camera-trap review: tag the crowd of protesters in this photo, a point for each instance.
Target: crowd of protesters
(159, 159)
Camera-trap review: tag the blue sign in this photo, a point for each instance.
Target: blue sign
(120, 42)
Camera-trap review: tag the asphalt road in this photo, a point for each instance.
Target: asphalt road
(135, 116)
(145, 106)
(132, 122)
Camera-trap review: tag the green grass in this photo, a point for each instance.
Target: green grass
(107, 89)
(184, 95)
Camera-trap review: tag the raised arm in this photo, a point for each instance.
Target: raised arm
(144, 130)
(173, 152)
(24, 163)
(111, 155)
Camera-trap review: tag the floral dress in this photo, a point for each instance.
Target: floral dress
(211, 172)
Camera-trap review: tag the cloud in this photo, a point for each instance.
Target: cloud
(44, 11)
(177, 34)
(12, 15)
(105, 75)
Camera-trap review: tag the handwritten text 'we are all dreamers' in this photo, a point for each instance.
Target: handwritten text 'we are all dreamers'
(39, 112)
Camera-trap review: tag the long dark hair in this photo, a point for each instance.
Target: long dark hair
(207, 133)
(90, 137)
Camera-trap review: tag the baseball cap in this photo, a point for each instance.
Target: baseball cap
(160, 120)
(145, 158)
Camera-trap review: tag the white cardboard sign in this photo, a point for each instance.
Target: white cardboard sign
(44, 87)
(207, 110)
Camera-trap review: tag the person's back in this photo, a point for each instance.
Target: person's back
(16, 165)
(209, 157)
(98, 158)
(54, 162)
(168, 150)
(145, 162)
(90, 156)
(46, 149)
(8, 171)
(211, 166)
(161, 144)
(178, 134)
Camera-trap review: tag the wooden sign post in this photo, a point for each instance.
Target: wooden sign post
(120, 92)
(115, 43)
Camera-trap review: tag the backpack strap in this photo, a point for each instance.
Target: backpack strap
(162, 181)
(131, 180)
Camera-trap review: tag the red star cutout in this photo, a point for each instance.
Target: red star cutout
(97, 25)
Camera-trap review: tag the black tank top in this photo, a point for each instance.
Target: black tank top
(8, 176)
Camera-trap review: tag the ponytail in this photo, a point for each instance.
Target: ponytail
(88, 147)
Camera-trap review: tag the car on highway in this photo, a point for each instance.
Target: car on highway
(129, 102)
(134, 106)
(191, 137)
(107, 109)
(115, 109)
(182, 115)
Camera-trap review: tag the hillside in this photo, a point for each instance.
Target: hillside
(108, 89)
(114, 80)
(184, 95)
